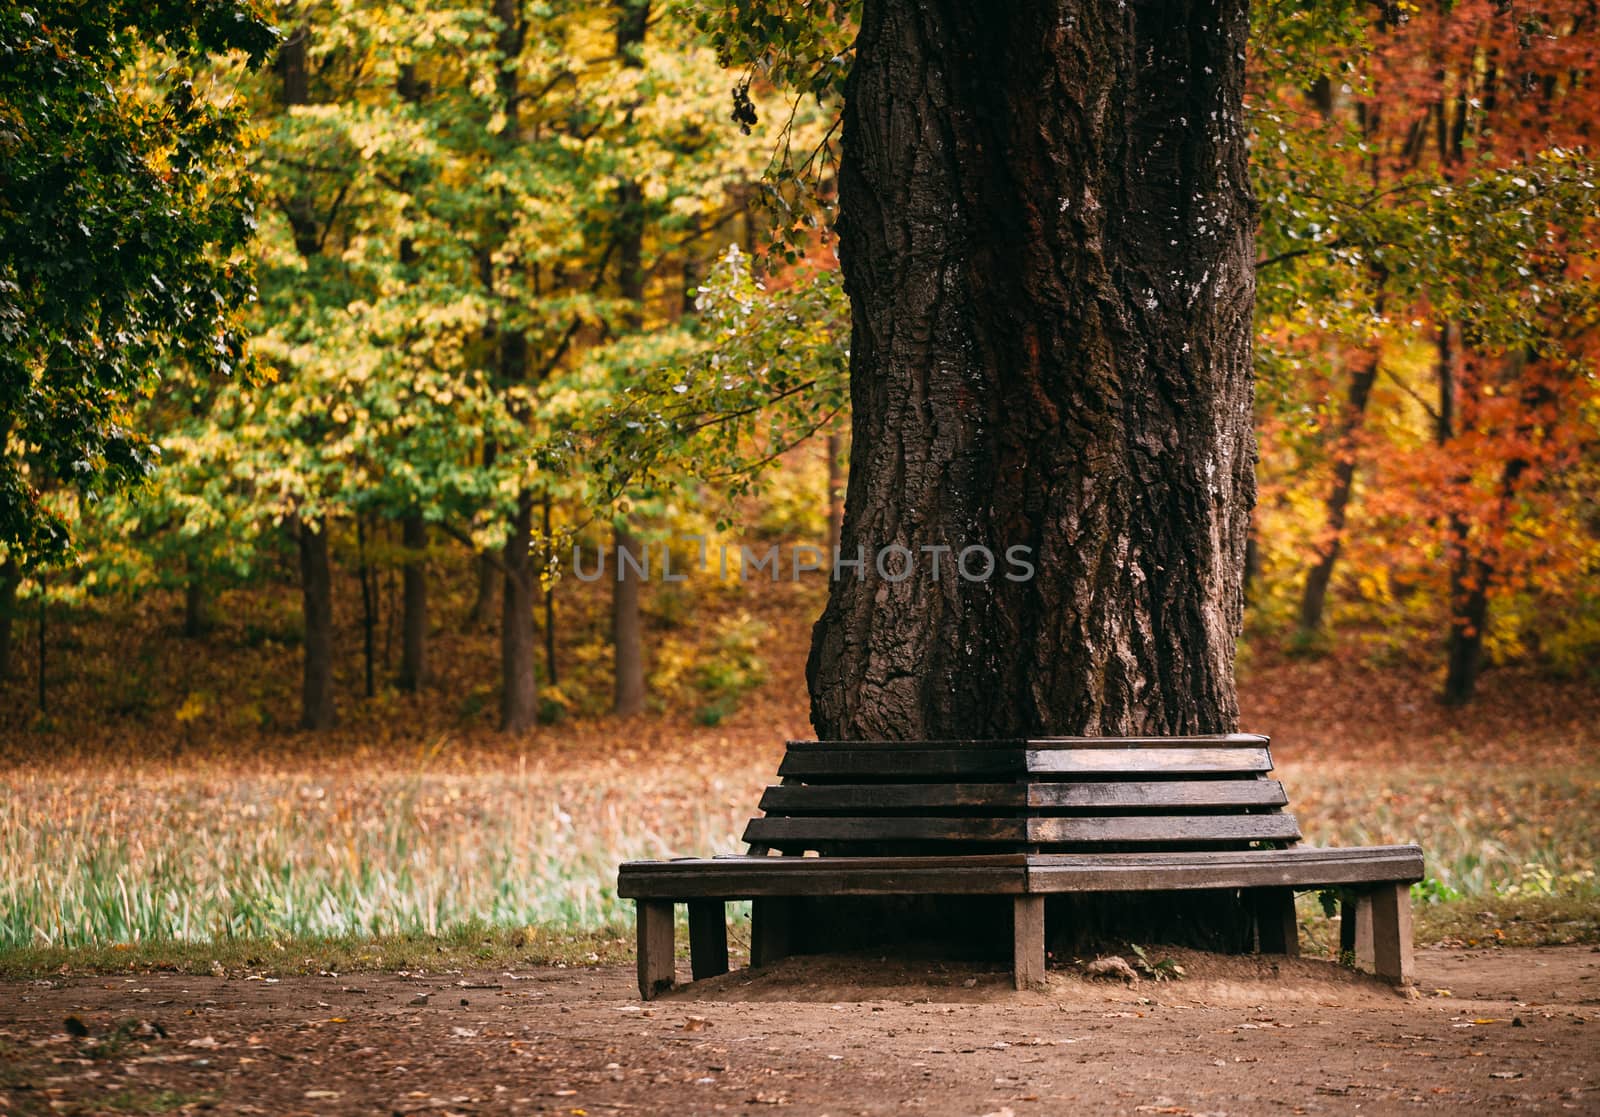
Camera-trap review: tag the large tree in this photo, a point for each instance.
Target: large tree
(1046, 234)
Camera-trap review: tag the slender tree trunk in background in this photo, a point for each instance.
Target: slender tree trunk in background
(549, 595)
(44, 693)
(1314, 597)
(1046, 234)
(196, 606)
(414, 624)
(369, 607)
(316, 602)
(519, 693)
(626, 631)
(487, 597)
(835, 491)
(10, 580)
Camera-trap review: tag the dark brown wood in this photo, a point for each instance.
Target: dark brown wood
(655, 946)
(782, 832)
(796, 799)
(1244, 740)
(771, 928)
(1012, 874)
(708, 938)
(747, 877)
(1277, 929)
(1027, 941)
(1160, 793)
(1168, 829)
(915, 763)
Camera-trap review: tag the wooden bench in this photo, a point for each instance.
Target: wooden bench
(1022, 819)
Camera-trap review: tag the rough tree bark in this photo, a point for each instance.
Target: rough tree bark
(414, 598)
(316, 602)
(1046, 233)
(10, 580)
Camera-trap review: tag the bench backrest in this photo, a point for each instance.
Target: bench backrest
(1046, 795)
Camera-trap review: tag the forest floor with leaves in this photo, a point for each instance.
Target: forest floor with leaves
(1507, 1030)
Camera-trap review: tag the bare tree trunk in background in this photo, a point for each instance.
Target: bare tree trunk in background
(10, 580)
(414, 622)
(519, 690)
(549, 595)
(626, 627)
(486, 598)
(369, 607)
(1314, 598)
(626, 630)
(1047, 238)
(316, 603)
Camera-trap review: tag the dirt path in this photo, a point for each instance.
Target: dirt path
(1507, 1030)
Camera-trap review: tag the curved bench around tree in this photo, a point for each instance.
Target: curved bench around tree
(1024, 819)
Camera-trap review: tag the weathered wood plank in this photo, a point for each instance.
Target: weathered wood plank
(708, 938)
(733, 878)
(1134, 795)
(827, 830)
(1301, 867)
(1027, 941)
(1174, 829)
(655, 946)
(841, 797)
(747, 877)
(1147, 761)
(915, 763)
(1391, 933)
(836, 828)
(1247, 740)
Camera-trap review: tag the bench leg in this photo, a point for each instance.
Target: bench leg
(1355, 928)
(708, 938)
(1027, 945)
(1391, 933)
(1277, 929)
(654, 919)
(771, 929)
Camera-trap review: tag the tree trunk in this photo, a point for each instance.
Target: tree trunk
(10, 580)
(1047, 238)
(626, 631)
(547, 556)
(316, 602)
(196, 604)
(626, 627)
(519, 685)
(414, 625)
(1315, 595)
(369, 608)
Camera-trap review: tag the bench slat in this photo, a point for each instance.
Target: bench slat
(1156, 794)
(1170, 829)
(745, 877)
(1148, 760)
(795, 799)
(932, 763)
(800, 799)
(1247, 740)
